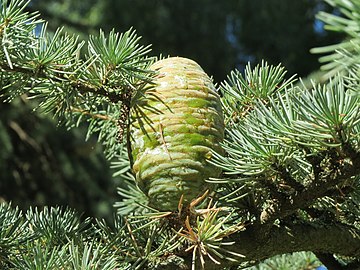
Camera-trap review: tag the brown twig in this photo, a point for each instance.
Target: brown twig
(81, 87)
(93, 115)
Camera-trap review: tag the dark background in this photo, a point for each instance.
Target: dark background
(42, 163)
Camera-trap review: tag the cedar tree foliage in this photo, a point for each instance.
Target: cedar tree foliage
(290, 161)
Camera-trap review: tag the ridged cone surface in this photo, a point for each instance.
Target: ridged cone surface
(173, 130)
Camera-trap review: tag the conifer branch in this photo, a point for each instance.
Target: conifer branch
(77, 85)
(335, 173)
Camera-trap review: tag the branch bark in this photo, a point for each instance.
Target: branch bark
(319, 238)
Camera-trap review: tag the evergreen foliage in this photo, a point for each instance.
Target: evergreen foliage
(228, 34)
(291, 170)
(341, 57)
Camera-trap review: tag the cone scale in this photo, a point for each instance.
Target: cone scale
(174, 129)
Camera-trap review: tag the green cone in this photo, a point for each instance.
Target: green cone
(174, 128)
